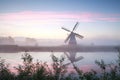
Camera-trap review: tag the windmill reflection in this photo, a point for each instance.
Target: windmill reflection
(72, 57)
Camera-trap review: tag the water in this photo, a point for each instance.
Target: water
(87, 63)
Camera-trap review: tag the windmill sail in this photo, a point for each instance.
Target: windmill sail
(66, 29)
(79, 36)
(75, 26)
(67, 38)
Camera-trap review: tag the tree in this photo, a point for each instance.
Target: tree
(5, 73)
(59, 68)
(25, 71)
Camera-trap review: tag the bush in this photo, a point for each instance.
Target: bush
(5, 73)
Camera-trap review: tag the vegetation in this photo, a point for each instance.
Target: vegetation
(38, 70)
(5, 73)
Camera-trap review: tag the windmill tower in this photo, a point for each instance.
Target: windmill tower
(72, 36)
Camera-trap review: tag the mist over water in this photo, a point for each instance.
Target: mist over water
(87, 63)
(57, 42)
(23, 41)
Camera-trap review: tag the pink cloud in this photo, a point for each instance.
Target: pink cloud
(42, 15)
(83, 17)
(110, 19)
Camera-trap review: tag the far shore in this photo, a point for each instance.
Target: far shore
(63, 48)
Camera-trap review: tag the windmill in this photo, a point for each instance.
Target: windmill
(72, 41)
(72, 36)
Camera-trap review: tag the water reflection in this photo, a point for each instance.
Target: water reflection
(72, 56)
(88, 61)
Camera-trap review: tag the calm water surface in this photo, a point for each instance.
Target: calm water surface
(87, 62)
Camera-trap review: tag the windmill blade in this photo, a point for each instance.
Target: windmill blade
(67, 64)
(78, 59)
(75, 26)
(79, 36)
(66, 29)
(67, 38)
(67, 55)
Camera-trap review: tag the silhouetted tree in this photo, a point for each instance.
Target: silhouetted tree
(5, 73)
(59, 68)
(25, 71)
(41, 71)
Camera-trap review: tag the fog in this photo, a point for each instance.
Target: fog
(23, 41)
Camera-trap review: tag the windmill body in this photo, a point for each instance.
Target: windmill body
(72, 40)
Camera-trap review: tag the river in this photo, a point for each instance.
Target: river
(87, 63)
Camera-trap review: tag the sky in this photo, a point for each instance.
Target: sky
(44, 18)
